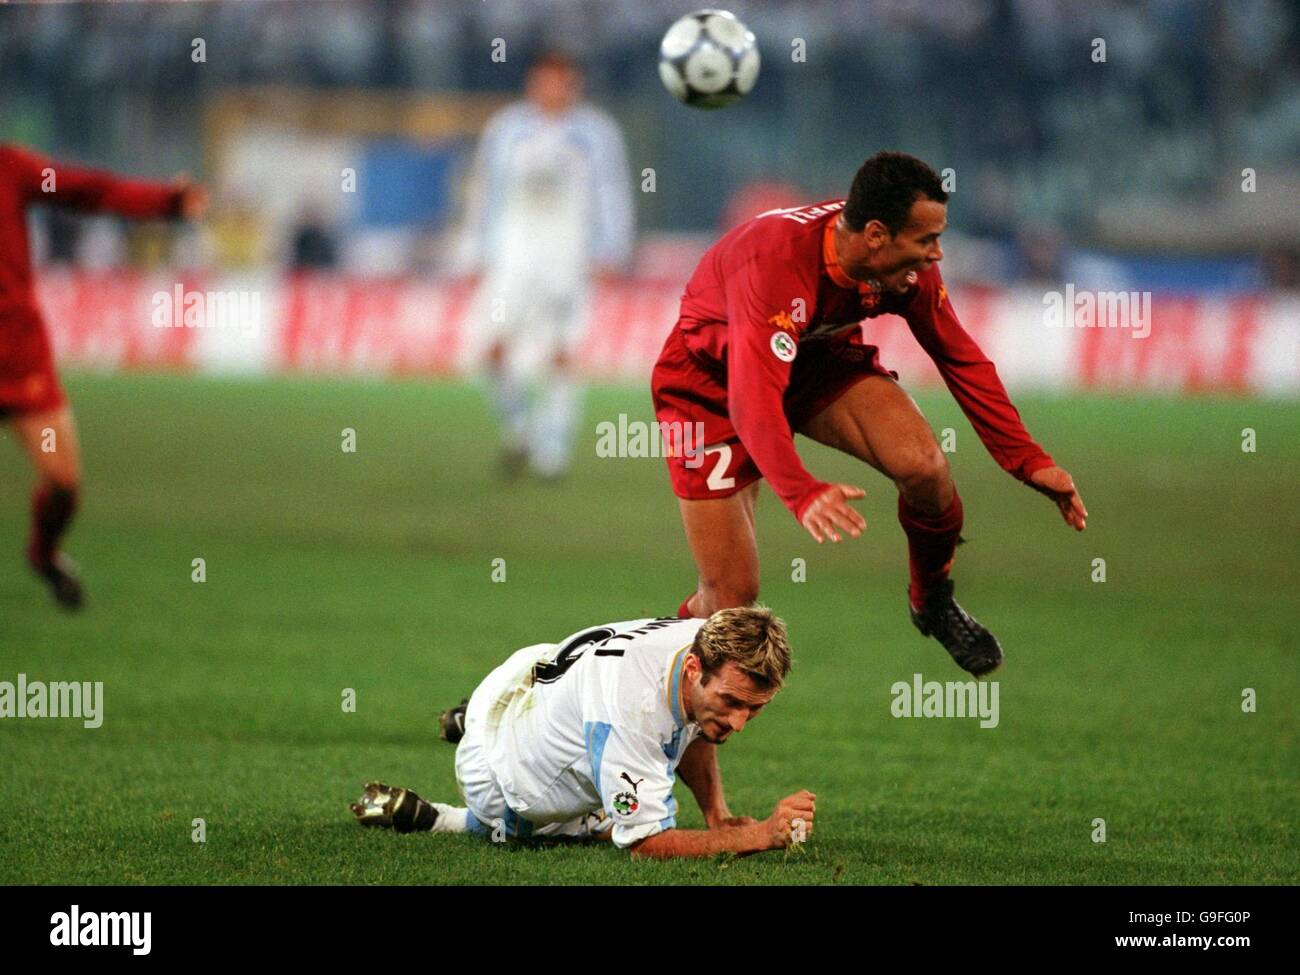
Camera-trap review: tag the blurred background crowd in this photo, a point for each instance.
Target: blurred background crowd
(1061, 159)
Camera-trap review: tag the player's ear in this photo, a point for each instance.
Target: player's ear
(876, 234)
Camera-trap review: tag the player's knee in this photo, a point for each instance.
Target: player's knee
(924, 477)
(61, 476)
(727, 594)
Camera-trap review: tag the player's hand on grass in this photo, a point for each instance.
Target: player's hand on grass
(831, 511)
(794, 809)
(1058, 485)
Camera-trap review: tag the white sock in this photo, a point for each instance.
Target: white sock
(511, 401)
(451, 819)
(556, 413)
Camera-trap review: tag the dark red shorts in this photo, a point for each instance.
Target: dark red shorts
(28, 382)
(687, 393)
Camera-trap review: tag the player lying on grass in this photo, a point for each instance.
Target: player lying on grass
(31, 399)
(583, 739)
(769, 344)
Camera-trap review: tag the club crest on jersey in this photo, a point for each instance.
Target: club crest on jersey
(783, 347)
(626, 803)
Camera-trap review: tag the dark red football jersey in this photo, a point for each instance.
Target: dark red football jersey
(27, 380)
(772, 285)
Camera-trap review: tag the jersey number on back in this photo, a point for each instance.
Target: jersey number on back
(547, 672)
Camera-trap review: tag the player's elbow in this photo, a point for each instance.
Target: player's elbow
(664, 845)
(651, 848)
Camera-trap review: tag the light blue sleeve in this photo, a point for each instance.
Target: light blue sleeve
(631, 772)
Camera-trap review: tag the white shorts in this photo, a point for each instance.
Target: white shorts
(534, 320)
(478, 785)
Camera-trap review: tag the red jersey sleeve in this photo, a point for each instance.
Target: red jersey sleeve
(764, 318)
(91, 190)
(972, 379)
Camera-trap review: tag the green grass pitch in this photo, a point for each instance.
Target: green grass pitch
(1120, 700)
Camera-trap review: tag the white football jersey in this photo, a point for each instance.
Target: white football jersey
(549, 197)
(594, 722)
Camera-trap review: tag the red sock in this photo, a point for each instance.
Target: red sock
(52, 511)
(684, 610)
(931, 545)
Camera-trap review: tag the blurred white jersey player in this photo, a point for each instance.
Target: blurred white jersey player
(549, 209)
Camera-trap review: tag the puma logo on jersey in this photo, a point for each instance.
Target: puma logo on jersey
(628, 779)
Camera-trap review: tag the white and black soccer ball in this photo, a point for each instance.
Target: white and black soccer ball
(708, 59)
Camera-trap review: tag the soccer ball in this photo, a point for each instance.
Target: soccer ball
(708, 59)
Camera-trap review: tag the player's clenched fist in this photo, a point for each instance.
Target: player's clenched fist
(792, 820)
(831, 511)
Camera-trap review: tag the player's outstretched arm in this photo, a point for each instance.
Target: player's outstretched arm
(99, 191)
(973, 381)
(1057, 484)
(774, 833)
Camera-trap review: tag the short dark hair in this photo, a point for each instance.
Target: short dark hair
(886, 186)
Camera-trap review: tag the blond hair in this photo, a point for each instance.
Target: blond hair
(752, 637)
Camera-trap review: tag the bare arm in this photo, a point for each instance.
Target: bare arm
(772, 833)
(699, 770)
(703, 842)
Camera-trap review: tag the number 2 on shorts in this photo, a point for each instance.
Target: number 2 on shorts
(718, 481)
